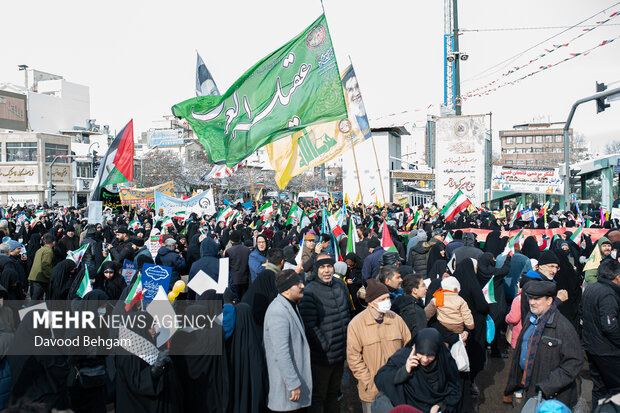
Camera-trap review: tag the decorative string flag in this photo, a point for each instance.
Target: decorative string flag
(296, 86)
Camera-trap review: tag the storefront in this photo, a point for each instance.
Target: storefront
(25, 160)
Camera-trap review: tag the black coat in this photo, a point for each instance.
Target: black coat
(361, 249)
(600, 310)
(122, 252)
(411, 310)
(557, 364)
(325, 311)
(239, 270)
(417, 258)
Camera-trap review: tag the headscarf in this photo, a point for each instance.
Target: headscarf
(434, 254)
(530, 248)
(263, 253)
(493, 244)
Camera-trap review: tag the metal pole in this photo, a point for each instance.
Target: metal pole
(50, 183)
(372, 139)
(251, 184)
(457, 74)
(359, 185)
(601, 95)
(490, 175)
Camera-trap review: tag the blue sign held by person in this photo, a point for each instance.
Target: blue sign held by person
(152, 277)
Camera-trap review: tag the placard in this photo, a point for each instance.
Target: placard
(154, 276)
(129, 270)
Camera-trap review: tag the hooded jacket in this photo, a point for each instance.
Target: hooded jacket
(208, 262)
(417, 257)
(601, 330)
(468, 250)
(169, 258)
(591, 268)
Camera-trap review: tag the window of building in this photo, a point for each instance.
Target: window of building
(528, 139)
(508, 162)
(84, 170)
(530, 150)
(519, 139)
(21, 151)
(557, 150)
(538, 139)
(558, 138)
(509, 140)
(539, 149)
(529, 162)
(549, 138)
(520, 162)
(52, 150)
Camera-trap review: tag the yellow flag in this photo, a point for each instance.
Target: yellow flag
(315, 145)
(357, 199)
(346, 199)
(259, 194)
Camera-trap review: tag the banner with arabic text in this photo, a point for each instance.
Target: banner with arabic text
(135, 196)
(534, 181)
(201, 204)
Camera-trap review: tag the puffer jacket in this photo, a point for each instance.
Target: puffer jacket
(468, 250)
(417, 257)
(601, 330)
(325, 311)
(169, 258)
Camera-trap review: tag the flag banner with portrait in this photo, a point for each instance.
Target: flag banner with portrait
(315, 145)
(296, 86)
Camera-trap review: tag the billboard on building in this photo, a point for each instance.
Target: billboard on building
(530, 180)
(460, 158)
(165, 137)
(13, 111)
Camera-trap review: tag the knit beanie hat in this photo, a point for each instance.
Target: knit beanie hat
(548, 257)
(375, 289)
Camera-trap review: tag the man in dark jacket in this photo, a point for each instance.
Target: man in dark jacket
(69, 242)
(601, 331)
(548, 356)
(239, 256)
(168, 255)
(361, 248)
(326, 313)
(409, 305)
(93, 256)
(124, 249)
(418, 254)
(372, 263)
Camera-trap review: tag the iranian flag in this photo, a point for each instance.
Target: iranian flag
(448, 239)
(576, 237)
(76, 256)
(510, 247)
(294, 215)
(516, 214)
(167, 222)
(85, 285)
(134, 224)
(179, 215)
(224, 214)
(351, 237)
(117, 164)
(135, 294)
(108, 258)
(265, 211)
(386, 239)
(458, 203)
(39, 213)
(489, 292)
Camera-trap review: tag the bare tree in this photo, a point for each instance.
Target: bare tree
(612, 147)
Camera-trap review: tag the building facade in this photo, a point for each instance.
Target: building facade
(533, 144)
(25, 160)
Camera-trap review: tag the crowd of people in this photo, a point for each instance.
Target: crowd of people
(404, 307)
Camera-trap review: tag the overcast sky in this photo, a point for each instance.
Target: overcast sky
(138, 57)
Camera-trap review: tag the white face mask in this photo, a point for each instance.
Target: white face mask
(384, 306)
(614, 253)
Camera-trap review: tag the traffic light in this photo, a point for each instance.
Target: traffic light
(600, 103)
(53, 189)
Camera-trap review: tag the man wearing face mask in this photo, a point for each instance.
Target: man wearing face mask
(372, 337)
(325, 310)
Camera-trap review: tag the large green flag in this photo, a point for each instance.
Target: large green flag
(296, 86)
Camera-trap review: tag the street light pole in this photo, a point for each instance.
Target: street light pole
(51, 185)
(457, 63)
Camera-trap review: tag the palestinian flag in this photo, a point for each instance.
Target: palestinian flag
(386, 239)
(76, 256)
(85, 285)
(549, 243)
(135, 294)
(576, 237)
(265, 211)
(516, 214)
(351, 237)
(458, 203)
(117, 164)
(489, 292)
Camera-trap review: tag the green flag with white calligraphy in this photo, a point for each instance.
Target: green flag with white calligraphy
(296, 86)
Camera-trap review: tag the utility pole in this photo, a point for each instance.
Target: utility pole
(457, 63)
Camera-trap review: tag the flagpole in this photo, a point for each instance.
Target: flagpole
(251, 184)
(372, 139)
(358, 177)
